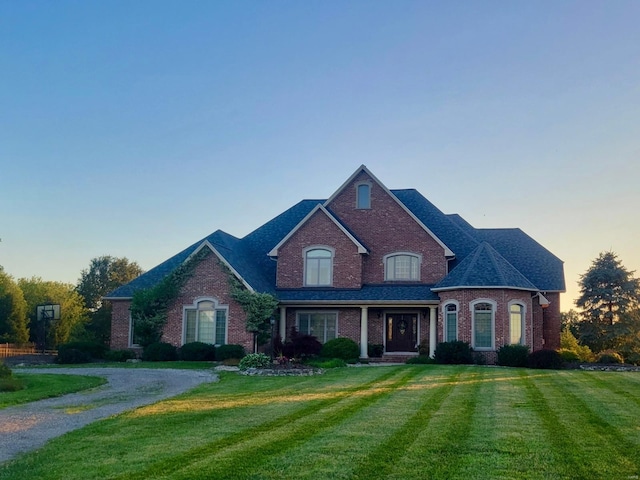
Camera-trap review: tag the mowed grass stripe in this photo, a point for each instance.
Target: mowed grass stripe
(169, 465)
(337, 452)
(231, 463)
(382, 460)
(617, 383)
(613, 421)
(590, 446)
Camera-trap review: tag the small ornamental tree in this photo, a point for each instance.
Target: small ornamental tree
(259, 308)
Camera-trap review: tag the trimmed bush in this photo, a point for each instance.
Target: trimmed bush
(569, 356)
(609, 356)
(119, 355)
(197, 352)
(420, 360)
(375, 350)
(453, 353)
(342, 348)
(72, 356)
(513, 356)
(160, 352)
(226, 352)
(300, 346)
(80, 352)
(545, 359)
(254, 360)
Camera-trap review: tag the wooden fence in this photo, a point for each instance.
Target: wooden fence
(11, 350)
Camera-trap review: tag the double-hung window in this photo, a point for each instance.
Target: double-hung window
(318, 267)
(483, 325)
(322, 325)
(516, 324)
(363, 195)
(402, 267)
(205, 322)
(451, 322)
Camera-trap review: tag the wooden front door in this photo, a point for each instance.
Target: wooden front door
(402, 332)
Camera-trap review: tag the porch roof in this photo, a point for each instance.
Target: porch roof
(367, 294)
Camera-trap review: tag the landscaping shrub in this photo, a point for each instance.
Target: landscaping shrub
(72, 356)
(453, 353)
(632, 358)
(255, 360)
(569, 356)
(300, 346)
(545, 359)
(80, 352)
(420, 360)
(375, 350)
(197, 352)
(160, 352)
(226, 352)
(119, 355)
(513, 355)
(609, 356)
(343, 348)
(5, 371)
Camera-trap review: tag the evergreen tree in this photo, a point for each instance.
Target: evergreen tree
(607, 291)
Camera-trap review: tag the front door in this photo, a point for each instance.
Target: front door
(402, 332)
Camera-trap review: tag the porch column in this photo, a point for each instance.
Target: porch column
(283, 323)
(364, 332)
(432, 331)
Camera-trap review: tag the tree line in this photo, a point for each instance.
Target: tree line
(84, 316)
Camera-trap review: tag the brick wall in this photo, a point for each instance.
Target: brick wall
(387, 228)
(319, 230)
(209, 280)
(120, 324)
(501, 299)
(551, 322)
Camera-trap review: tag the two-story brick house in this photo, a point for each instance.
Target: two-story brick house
(376, 265)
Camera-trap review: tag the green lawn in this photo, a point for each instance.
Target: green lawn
(401, 422)
(39, 386)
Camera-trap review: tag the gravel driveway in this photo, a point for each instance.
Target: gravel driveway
(26, 427)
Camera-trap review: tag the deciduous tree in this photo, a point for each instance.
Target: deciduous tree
(73, 313)
(13, 311)
(104, 275)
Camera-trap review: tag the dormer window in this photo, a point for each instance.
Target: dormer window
(318, 267)
(402, 267)
(363, 195)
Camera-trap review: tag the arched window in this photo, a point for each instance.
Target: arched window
(450, 322)
(318, 267)
(363, 195)
(402, 267)
(483, 325)
(205, 321)
(516, 324)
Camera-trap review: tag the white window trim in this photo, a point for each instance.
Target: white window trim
(445, 321)
(324, 312)
(395, 254)
(368, 184)
(523, 320)
(131, 344)
(304, 261)
(216, 306)
(472, 307)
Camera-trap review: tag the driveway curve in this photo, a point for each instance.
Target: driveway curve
(26, 427)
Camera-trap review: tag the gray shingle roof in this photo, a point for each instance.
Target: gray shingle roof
(484, 257)
(485, 268)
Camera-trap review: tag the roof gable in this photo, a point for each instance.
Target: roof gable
(334, 220)
(447, 251)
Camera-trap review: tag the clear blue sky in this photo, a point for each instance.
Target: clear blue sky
(135, 128)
